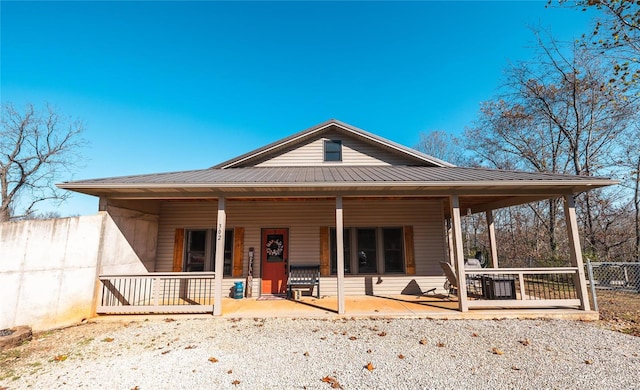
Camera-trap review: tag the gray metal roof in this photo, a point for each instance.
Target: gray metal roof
(480, 189)
(336, 175)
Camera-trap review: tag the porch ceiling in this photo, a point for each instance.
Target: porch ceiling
(487, 199)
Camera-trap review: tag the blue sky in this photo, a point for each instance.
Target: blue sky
(168, 86)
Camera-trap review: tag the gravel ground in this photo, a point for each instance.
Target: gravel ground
(188, 353)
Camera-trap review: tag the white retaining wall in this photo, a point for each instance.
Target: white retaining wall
(49, 268)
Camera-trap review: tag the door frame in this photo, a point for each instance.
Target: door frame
(263, 256)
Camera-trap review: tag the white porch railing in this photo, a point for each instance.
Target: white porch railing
(522, 287)
(159, 292)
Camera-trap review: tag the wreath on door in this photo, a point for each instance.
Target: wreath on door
(275, 247)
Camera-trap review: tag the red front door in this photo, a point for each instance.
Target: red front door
(274, 260)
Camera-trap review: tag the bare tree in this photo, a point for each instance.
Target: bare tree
(558, 114)
(441, 145)
(629, 162)
(616, 38)
(36, 148)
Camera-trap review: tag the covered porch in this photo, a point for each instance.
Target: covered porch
(493, 288)
(426, 213)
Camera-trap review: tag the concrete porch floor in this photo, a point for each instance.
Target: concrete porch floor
(407, 306)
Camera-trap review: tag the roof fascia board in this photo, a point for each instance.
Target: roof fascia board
(473, 184)
(208, 192)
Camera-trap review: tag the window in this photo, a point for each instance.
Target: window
(393, 256)
(196, 251)
(332, 150)
(228, 251)
(367, 251)
(347, 251)
(200, 251)
(370, 250)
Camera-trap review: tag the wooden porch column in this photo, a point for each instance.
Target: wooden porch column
(219, 260)
(458, 252)
(493, 249)
(575, 251)
(340, 253)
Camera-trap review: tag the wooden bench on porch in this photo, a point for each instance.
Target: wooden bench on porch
(304, 276)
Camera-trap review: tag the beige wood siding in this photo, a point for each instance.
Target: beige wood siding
(180, 215)
(425, 216)
(386, 285)
(354, 152)
(303, 219)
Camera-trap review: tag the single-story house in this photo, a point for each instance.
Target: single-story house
(373, 216)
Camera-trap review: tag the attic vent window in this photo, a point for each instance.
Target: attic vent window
(332, 150)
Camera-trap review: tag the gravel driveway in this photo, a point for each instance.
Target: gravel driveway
(211, 353)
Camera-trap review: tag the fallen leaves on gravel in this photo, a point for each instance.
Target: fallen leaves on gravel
(190, 347)
(423, 341)
(333, 382)
(353, 338)
(496, 351)
(230, 372)
(60, 358)
(474, 335)
(107, 339)
(515, 368)
(305, 354)
(213, 360)
(166, 352)
(440, 344)
(169, 320)
(401, 356)
(382, 334)
(588, 362)
(525, 342)
(235, 382)
(369, 366)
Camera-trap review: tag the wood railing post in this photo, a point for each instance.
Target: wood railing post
(156, 291)
(521, 284)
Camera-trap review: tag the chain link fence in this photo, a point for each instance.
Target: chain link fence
(613, 279)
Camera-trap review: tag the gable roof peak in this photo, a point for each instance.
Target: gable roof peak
(323, 127)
